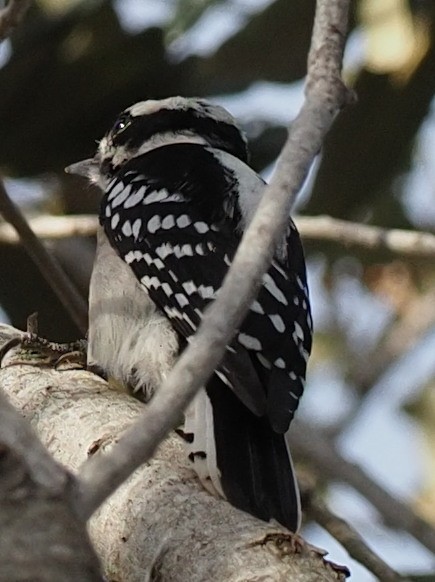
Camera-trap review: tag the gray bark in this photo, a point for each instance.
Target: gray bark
(160, 524)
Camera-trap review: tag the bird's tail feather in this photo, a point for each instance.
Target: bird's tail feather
(199, 436)
(238, 453)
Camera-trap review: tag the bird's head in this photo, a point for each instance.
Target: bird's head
(151, 124)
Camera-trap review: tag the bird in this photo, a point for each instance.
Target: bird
(178, 194)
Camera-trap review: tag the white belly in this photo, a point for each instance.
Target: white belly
(128, 338)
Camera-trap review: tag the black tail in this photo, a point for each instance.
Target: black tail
(256, 471)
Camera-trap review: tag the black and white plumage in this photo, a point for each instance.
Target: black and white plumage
(178, 194)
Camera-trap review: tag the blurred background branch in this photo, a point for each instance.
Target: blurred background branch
(407, 243)
(313, 447)
(65, 290)
(348, 537)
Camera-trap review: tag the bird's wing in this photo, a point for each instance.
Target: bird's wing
(164, 213)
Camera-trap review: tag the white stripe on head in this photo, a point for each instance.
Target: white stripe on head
(203, 107)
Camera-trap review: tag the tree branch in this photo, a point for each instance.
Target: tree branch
(325, 95)
(348, 537)
(46, 263)
(161, 524)
(313, 447)
(11, 16)
(48, 227)
(41, 538)
(407, 243)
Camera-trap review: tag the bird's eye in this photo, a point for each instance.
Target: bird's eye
(120, 125)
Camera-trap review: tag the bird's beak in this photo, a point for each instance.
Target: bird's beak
(83, 168)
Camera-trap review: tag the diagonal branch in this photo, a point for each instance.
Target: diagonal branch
(46, 263)
(311, 445)
(325, 95)
(349, 538)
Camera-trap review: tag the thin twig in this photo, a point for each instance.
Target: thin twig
(325, 95)
(11, 16)
(312, 446)
(46, 263)
(49, 227)
(350, 539)
(407, 243)
(402, 242)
